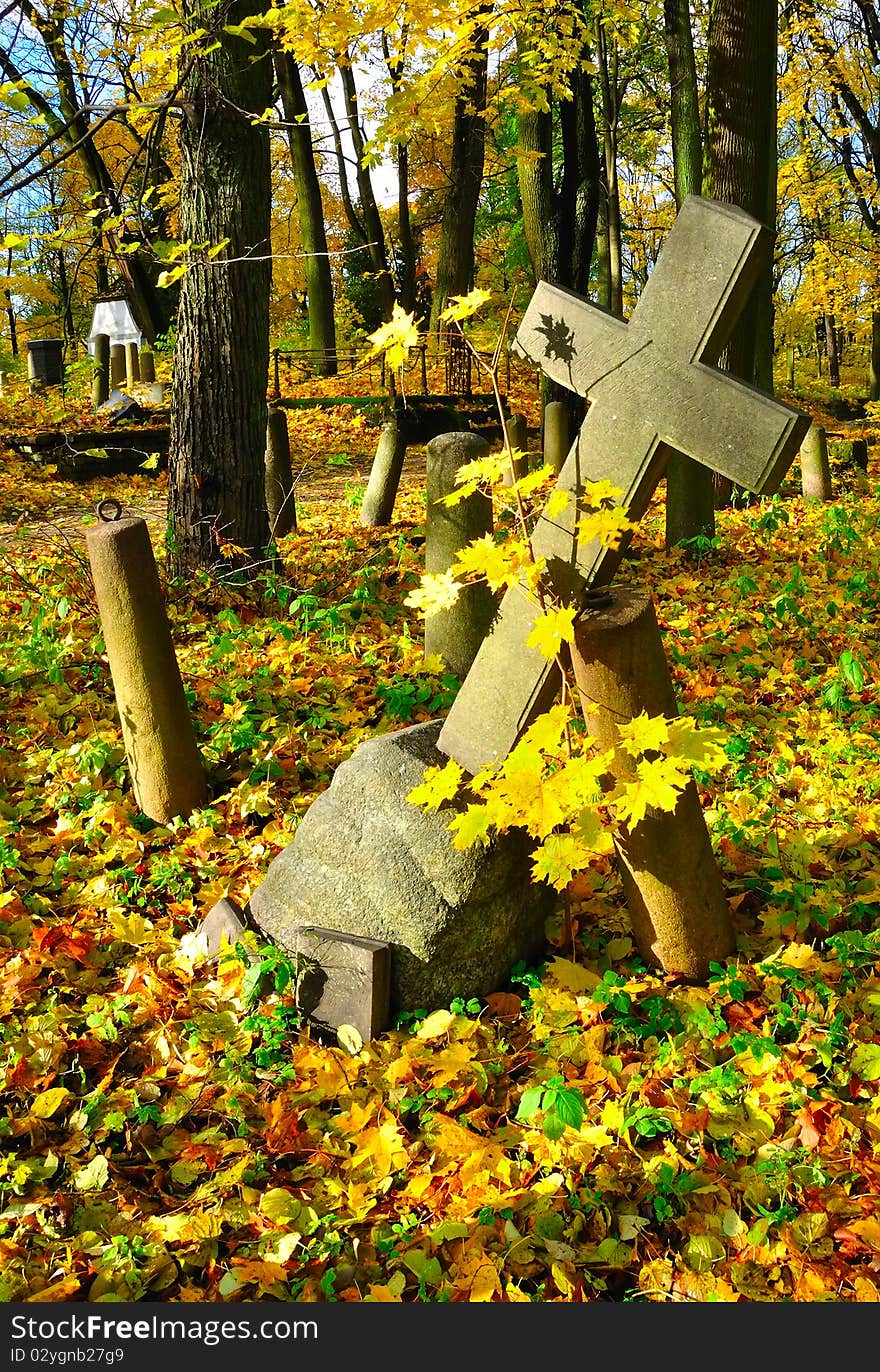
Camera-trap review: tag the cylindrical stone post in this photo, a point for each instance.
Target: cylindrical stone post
(147, 362)
(377, 505)
(680, 917)
(517, 433)
(557, 439)
(117, 365)
(815, 468)
(132, 364)
(456, 634)
(166, 768)
(101, 370)
(280, 495)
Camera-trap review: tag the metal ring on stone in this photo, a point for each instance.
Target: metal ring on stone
(109, 510)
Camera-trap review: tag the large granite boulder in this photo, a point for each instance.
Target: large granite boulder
(365, 861)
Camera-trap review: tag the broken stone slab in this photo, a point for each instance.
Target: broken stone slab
(224, 921)
(365, 861)
(343, 979)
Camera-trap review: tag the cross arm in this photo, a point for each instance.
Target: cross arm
(734, 428)
(573, 342)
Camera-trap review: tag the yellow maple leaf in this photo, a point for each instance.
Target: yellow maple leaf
(657, 786)
(501, 564)
(487, 470)
(438, 591)
(557, 501)
(547, 735)
(471, 827)
(381, 1148)
(596, 493)
(551, 629)
(438, 784)
(700, 747)
(559, 858)
(606, 525)
(644, 733)
(395, 338)
(463, 306)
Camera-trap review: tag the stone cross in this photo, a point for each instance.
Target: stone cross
(653, 390)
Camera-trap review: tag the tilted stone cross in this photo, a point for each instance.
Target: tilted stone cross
(653, 391)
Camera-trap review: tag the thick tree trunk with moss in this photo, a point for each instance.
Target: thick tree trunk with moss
(455, 254)
(874, 359)
(740, 160)
(319, 282)
(690, 503)
(216, 496)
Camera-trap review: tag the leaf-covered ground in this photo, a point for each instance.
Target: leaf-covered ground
(165, 1137)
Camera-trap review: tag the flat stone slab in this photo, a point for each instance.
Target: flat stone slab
(365, 861)
(223, 922)
(344, 980)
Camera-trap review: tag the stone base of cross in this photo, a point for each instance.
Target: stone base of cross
(653, 391)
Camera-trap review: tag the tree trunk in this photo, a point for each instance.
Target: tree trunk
(874, 363)
(455, 255)
(739, 158)
(408, 253)
(559, 222)
(831, 350)
(319, 282)
(608, 79)
(216, 501)
(10, 310)
(690, 502)
(369, 210)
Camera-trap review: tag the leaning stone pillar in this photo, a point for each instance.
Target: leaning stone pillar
(377, 505)
(556, 435)
(815, 468)
(456, 634)
(166, 769)
(101, 370)
(280, 495)
(680, 917)
(147, 363)
(117, 364)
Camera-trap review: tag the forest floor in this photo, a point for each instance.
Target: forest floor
(170, 1132)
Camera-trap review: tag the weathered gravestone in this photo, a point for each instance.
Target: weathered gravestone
(365, 861)
(456, 634)
(341, 979)
(815, 467)
(163, 757)
(653, 391)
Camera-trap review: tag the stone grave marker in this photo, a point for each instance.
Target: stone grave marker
(457, 633)
(815, 467)
(653, 391)
(343, 979)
